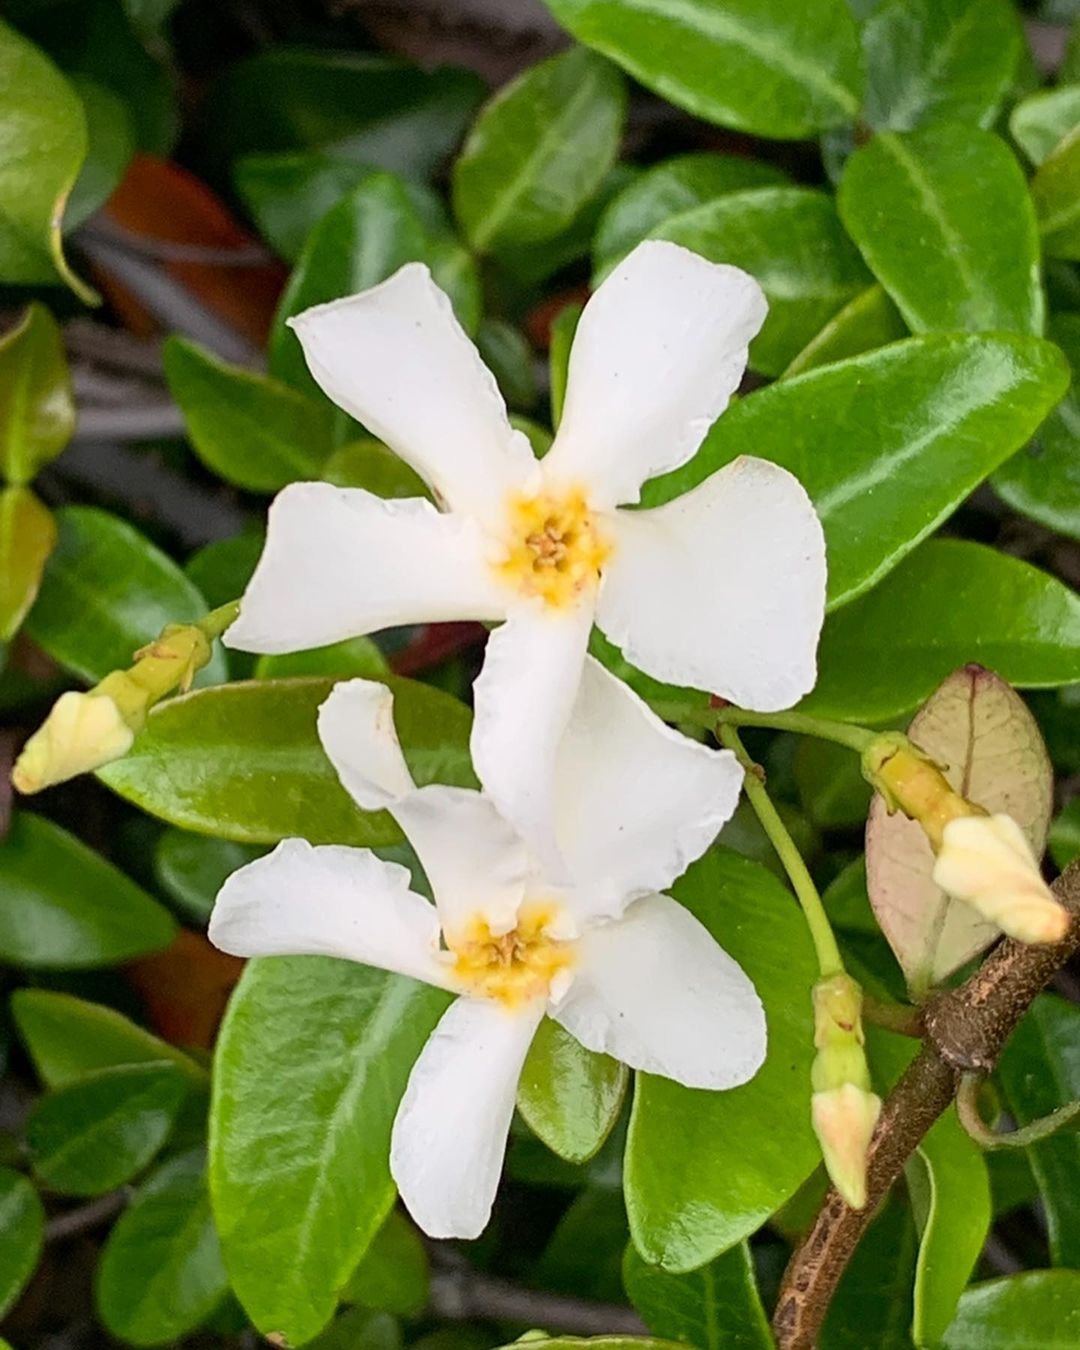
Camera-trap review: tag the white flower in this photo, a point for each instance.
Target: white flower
(626, 970)
(987, 862)
(721, 589)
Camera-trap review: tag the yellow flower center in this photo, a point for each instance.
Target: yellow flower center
(512, 967)
(556, 547)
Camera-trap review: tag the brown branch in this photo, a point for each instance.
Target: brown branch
(966, 1030)
(462, 1294)
(86, 1218)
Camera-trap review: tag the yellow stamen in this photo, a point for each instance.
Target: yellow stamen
(512, 967)
(556, 548)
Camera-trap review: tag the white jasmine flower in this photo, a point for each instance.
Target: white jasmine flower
(626, 970)
(987, 862)
(721, 589)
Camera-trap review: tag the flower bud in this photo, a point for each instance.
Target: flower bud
(844, 1118)
(82, 732)
(987, 862)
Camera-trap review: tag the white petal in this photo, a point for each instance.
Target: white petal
(660, 349)
(329, 901)
(654, 990)
(723, 588)
(637, 802)
(449, 1138)
(396, 358)
(475, 862)
(340, 562)
(523, 697)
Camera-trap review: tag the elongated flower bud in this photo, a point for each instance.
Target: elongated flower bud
(987, 861)
(82, 732)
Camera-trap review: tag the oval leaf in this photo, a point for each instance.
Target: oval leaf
(310, 1066)
(944, 219)
(715, 1308)
(1040, 122)
(27, 538)
(870, 320)
(97, 1132)
(1038, 1308)
(191, 869)
(22, 1235)
(983, 735)
(763, 66)
(569, 1096)
(705, 1169)
(37, 406)
(243, 761)
(161, 1273)
(64, 907)
(1055, 190)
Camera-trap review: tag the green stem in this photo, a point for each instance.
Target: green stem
(830, 961)
(804, 724)
(215, 623)
(899, 1017)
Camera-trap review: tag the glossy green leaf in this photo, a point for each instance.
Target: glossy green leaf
(705, 1169)
(370, 109)
(939, 60)
(161, 1273)
(191, 869)
(1039, 1309)
(110, 144)
(44, 137)
(351, 659)
(62, 906)
(667, 191)
(569, 1096)
(944, 219)
(538, 151)
(1041, 121)
(763, 66)
(393, 1273)
(22, 1235)
(1043, 479)
(1055, 190)
(873, 1302)
(950, 1191)
(951, 602)
(243, 762)
(888, 444)
(367, 463)
(255, 432)
(27, 538)
(99, 1131)
(1039, 1072)
(791, 240)
(715, 1308)
(37, 406)
(870, 320)
(108, 591)
(311, 1063)
(67, 1038)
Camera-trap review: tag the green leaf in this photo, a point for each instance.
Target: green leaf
(715, 1308)
(1064, 839)
(1039, 1072)
(255, 432)
(311, 1063)
(944, 219)
(350, 659)
(1043, 480)
(763, 66)
(563, 327)
(667, 191)
(888, 444)
(872, 1304)
(64, 907)
(506, 352)
(1055, 190)
(110, 145)
(792, 241)
(870, 320)
(191, 869)
(97, 1132)
(584, 1255)
(161, 1273)
(44, 137)
(1039, 1308)
(538, 151)
(108, 591)
(951, 602)
(705, 1169)
(22, 1235)
(243, 762)
(368, 464)
(361, 1329)
(369, 109)
(1040, 122)
(569, 1096)
(37, 406)
(393, 1273)
(27, 538)
(936, 60)
(950, 1192)
(832, 790)
(68, 1037)
(222, 570)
